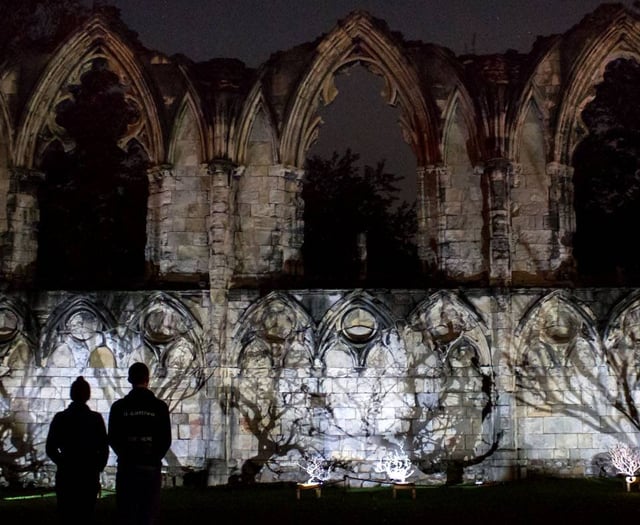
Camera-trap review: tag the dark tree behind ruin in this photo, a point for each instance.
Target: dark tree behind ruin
(342, 202)
(93, 201)
(607, 180)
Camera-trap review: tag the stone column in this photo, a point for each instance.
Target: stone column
(432, 181)
(221, 255)
(294, 230)
(161, 184)
(497, 177)
(222, 174)
(561, 220)
(20, 245)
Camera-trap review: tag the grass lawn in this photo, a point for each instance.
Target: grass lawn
(542, 501)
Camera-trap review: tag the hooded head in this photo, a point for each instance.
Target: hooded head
(80, 390)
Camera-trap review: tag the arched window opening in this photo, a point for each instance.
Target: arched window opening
(360, 191)
(607, 180)
(94, 199)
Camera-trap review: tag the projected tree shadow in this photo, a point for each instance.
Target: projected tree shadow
(98, 337)
(21, 458)
(363, 393)
(454, 421)
(21, 435)
(270, 396)
(565, 369)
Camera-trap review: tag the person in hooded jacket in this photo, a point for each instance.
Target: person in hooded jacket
(140, 435)
(77, 444)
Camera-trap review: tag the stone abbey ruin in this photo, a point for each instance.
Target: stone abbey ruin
(510, 352)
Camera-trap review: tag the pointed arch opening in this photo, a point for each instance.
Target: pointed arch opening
(607, 179)
(360, 186)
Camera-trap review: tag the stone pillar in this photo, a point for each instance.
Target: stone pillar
(222, 178)
(497, 177)
(294, 230)
(161, 181)
(432, 182)
(561, 220)
(221, 255)
(20, 245)
(503, 322)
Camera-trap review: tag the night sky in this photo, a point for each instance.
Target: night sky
(251, 30)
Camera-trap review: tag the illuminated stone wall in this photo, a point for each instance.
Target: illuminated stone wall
(499, 385)
(46, 346)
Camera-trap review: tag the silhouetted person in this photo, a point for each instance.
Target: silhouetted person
(140, 435)
(77, 444)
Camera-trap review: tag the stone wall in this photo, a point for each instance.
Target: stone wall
(497, 384)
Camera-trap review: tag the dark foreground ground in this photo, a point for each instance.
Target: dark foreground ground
(541, 501)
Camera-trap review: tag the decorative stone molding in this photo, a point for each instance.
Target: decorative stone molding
(294, 222)
(157, 175)
(18, 334)
(355, 325)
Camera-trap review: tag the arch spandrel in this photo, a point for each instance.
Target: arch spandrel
(94, 40)
(619, 40)
(358, 39)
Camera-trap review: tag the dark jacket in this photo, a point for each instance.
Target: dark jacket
(77, 441)
(140, 428)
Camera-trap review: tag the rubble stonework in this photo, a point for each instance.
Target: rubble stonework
(508, 369)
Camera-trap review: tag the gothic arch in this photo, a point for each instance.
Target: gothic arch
(77, 318)
(357, 323)
(18, 330)
(461, 105)
(93, 40)
(619, 39)
(255, 105)
(555, 324)
(445, 320)
(623, 324)
(359, 39)
(277, 324)
(531, 101)
(162, 324)
(190, 108)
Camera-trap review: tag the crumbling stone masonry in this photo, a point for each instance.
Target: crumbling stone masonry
(506, 369)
